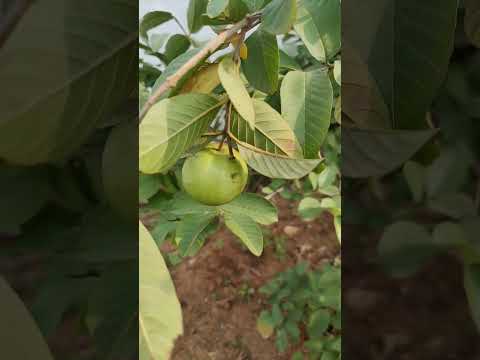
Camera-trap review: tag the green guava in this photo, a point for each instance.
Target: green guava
(211, 177)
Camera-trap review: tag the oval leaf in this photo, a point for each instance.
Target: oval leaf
(307, 101)
(255, 206)
(216, 7)
(247, 230)
(196, 8)
(318, 25)
(229, 75)
(262, 65)
(171, 127)
(272, 133)
(275, 166)
(160, 314)
(151, 20)
(279, 16)
(204, 82)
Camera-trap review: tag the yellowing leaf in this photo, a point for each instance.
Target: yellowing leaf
(204, 82)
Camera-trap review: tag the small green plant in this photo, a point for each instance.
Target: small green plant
(305, 310)
(246, 292)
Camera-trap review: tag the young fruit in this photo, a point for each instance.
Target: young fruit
(213, 178)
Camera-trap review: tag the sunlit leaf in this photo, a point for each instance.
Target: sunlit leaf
(307, 101)
(229, 74)
(171, 127)
(272, 133)
(275, 166)
(160, 316)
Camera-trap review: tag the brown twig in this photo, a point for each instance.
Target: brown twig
(11, 19)
(247, 23)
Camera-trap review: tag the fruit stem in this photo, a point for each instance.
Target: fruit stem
(227, 130)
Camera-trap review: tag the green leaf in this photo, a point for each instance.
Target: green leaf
(287, 62)
(318, 323)
(151, 20)
(176, 46)
(63, 107)
(156, 41)
(276, 167)
(277, 315)
(171, 127)
(254, 5)
(309, 208)
(196, 8)
(262, 65)
(22, 329)
(318, 25)
(279, 16)
(215, 8)
(182, 204)
(148, 185)
(415, 175)
(188, 235)
(297, 356)
(160, 315)
(237, 10)
(472, 21)
(255, 206)
(372, 152)
(272, 133)
(405, 247)
(281, 340)
(307, 100)
(472, 288)
(229, 75)
(162, 229)
(247, 230)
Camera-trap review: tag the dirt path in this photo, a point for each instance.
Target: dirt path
(218, 287)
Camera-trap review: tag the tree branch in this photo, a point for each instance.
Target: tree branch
(11, 19)
(209, 49)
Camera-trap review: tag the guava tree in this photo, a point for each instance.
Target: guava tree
(212, 114)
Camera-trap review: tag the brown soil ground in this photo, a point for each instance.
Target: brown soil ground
(219, 314)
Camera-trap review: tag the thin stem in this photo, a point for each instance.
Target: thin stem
(227, 130)
(212, 134)
(187, 34)
(221, 143)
